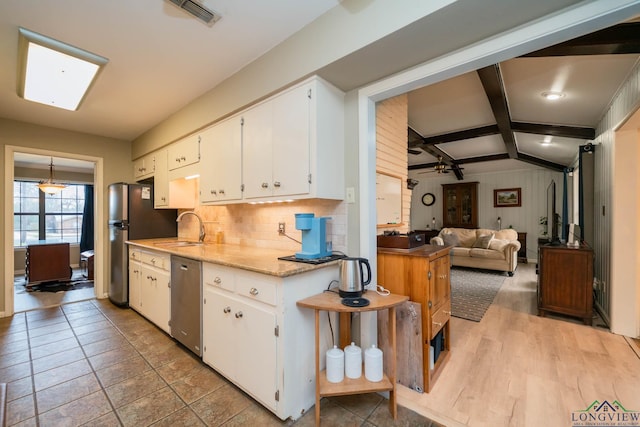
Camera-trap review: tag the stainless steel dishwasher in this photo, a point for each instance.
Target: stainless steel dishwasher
(186, 302)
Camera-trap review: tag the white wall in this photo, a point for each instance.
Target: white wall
(115, 158)
(615, 293)
(533, 184)
(625, 234)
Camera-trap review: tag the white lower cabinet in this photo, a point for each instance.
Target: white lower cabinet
(150, 286)
(242, 344)
(256, 336)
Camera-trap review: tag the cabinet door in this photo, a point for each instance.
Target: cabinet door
(256, 356)
(155, 297)
(257, 151)
(221, 174)
(161, 180)
(218, 337)
(184, 152)
(440, 289)
(291, 140)
(135, 275)
(450, 198)
(144, 167)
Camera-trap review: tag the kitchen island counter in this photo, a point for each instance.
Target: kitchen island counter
(259, 260)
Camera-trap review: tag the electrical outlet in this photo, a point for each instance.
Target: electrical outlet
(281, 229)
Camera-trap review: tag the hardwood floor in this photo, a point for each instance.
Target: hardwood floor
(517, 369)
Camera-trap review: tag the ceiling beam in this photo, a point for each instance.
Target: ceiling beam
(619, 39)
(540, 162)
(455, 136)
(554, 130)
(478, 159)
(494, 88)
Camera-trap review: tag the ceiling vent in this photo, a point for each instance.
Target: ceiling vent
(207, 16)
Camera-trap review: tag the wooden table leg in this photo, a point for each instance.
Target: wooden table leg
(393, 407)
(317, 367)
(345, 329)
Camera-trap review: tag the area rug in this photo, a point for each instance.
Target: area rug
(473, 291)
(60, 286)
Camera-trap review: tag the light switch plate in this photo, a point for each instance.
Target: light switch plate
(351, 195)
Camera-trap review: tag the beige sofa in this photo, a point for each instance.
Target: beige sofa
(481, 248)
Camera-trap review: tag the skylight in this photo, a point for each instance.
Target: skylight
(55, 73)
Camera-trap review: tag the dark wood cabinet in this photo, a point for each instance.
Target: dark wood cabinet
(460, 205)
(522, 253)
(47, 262)
(565, 282)
(428, 234)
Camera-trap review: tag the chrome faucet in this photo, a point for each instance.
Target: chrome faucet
(202, 234)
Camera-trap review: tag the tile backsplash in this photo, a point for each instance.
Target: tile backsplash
(256, 225)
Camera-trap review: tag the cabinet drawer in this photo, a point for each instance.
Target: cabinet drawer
(159, 261)
(134, 255)
(256, 288)
(218, 277)
(440, 318)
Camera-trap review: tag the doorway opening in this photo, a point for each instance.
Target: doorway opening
(38, 222)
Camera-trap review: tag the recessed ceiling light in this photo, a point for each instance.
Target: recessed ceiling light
(546, 140)
(552, 96)
(54, 73)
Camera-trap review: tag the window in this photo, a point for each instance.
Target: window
(40, 216)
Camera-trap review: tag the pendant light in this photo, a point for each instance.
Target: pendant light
(50, 186)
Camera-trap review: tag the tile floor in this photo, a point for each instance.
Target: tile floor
(91, 363)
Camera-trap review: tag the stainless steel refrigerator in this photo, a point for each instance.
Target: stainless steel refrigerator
(132, 217)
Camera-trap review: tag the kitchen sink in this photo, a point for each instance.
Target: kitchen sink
(178, 244)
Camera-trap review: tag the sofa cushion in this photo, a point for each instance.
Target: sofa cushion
(450, 239)
(485, 253)
(459, 251)
(498, 244)
(506, 234)
(483, 241)
(466, 236)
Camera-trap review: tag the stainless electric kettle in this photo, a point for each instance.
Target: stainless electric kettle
(351, 277)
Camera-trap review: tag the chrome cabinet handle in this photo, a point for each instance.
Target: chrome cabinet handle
(221, 192)
(217, 280)
(238, 315)
(253, 291)
(183, 158)
(227, 310)
(265, 185)
(438, 324)
(447, 313)
(276, 184)
(213, 192)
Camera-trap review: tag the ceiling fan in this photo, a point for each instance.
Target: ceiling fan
(440, 167)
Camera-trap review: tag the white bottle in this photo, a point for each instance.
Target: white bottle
(373, 364)
(335, 365)
(353, 361)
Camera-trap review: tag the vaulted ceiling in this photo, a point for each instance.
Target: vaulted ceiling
(497, 118)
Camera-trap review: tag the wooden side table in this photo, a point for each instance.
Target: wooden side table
(330, 301)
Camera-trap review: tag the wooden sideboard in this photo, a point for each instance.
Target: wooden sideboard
(565, 282)
(522, 253)
(45, 262)
(423, 274)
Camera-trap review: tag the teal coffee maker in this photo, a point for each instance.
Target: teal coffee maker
(314, 236)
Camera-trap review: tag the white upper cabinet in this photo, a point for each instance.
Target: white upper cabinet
(144, 167)
(293, 144)
(161, 181)
(257, 147)
(221, 164)
(184, 152)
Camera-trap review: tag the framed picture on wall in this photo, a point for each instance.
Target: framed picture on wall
(507, 197)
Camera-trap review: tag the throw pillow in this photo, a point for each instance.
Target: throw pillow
(483, 241)
(450, 239)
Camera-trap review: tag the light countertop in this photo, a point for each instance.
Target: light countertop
(259, 260)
